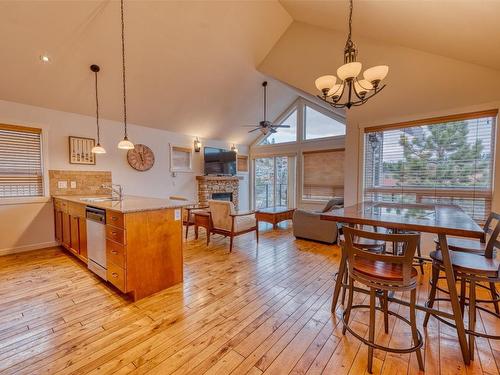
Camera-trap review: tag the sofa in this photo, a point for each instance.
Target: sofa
(308, 225)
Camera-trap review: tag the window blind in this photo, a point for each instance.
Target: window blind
(449, 161)
(323, 174)
(20, 162)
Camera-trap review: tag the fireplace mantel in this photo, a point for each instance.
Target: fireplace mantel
(219, 178)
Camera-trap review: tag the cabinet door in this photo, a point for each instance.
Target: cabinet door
(58, 225)
(66, 230)
(82, 232)
(74, 233)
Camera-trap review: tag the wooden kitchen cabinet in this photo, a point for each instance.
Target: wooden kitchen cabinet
(71, 227)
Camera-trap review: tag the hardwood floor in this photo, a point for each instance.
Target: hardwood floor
(263, 309)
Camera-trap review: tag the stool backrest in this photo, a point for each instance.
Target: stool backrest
(494, 240)
(408, 243)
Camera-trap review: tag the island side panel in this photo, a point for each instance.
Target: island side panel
(154, 251)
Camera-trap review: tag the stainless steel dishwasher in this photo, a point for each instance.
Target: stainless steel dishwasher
(96, 240)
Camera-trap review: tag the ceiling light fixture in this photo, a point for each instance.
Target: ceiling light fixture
(124, 144)
(356, 91)
(98, 149)
(45, 59)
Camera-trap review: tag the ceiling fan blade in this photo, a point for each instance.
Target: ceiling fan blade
(281, 126)
(249, 126)
(253, 130)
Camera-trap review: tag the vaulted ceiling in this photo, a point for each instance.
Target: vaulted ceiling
(191, 66)
(196, 67)
(466, 30)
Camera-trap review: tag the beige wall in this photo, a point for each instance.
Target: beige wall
(419, 85)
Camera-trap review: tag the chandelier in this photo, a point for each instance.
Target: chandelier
(351, 91)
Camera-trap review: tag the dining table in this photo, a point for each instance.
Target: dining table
(439, 219)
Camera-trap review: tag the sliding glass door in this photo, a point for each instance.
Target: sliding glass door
(271, 181)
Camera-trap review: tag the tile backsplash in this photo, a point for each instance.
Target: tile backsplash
(79, 182)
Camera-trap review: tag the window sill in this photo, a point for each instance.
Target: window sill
(27, 200)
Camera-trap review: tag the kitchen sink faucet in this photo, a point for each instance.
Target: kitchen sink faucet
(115, 189)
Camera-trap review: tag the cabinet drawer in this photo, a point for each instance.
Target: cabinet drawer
(114, 218)
(115, 234)
(115, 253)
(116, 276)
(61, 205)
(75, 209)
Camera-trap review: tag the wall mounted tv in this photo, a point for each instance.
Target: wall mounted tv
(219, 161)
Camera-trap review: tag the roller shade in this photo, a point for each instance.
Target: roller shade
(323, 174)
(447, 162)
(20, 162)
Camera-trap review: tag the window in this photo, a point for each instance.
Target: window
(323, 174)
(317, 125)
(271, 186)
(283, 135)
(446, 160)
(20, 162)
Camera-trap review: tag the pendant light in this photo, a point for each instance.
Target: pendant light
(124, 144)
(98, 149)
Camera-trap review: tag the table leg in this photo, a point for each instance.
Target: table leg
(457, 312)
(340, 278)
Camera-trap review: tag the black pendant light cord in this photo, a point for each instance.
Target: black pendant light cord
(97, 111)
(123, 73)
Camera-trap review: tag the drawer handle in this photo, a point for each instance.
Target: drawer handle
(114, 218)
(114, 252)
(114, 274)
(114, 233)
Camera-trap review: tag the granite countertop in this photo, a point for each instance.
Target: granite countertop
(130, 203)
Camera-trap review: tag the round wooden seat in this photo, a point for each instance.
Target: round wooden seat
(381, 270)
(470, 263)
(464, 245)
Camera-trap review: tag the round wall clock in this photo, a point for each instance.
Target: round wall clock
(141, 157)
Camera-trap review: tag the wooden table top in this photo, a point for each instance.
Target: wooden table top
(429, 218)
(275, 210)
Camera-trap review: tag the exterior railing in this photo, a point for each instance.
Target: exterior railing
(264, 195)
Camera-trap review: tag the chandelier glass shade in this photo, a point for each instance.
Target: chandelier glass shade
(350, 90)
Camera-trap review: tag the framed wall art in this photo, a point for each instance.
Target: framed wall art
(80, 150)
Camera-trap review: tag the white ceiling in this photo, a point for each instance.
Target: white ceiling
(466, 30)
(190, 65)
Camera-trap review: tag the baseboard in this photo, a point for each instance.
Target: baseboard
(22, 249)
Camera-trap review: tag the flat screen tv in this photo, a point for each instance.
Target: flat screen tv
(219, 161)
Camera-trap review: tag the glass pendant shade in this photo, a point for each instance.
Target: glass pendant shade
(325, 82)
(125, 144)
(362, 86)
(376, 73)
(349, 70)
(98, 149)
(336, 91)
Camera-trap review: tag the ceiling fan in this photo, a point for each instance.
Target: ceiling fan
(265, 126)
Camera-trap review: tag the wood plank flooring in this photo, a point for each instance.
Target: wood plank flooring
(263, 309)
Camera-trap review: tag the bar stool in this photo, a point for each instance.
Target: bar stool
(473, 269)
(382, 273)
(477, 248)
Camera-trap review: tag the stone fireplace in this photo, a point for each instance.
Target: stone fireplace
(218, 187)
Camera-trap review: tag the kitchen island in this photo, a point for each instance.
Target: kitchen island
(141, 239)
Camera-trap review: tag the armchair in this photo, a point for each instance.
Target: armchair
(309, 226)
(226, 221)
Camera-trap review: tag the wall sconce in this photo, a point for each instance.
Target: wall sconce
(234, 148)
(197, 145)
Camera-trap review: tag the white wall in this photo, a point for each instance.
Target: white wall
(25, 226)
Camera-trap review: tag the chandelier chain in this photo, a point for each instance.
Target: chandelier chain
(350, 21)
(123, 71)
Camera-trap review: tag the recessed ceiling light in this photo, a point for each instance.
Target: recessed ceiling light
(45, 59)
